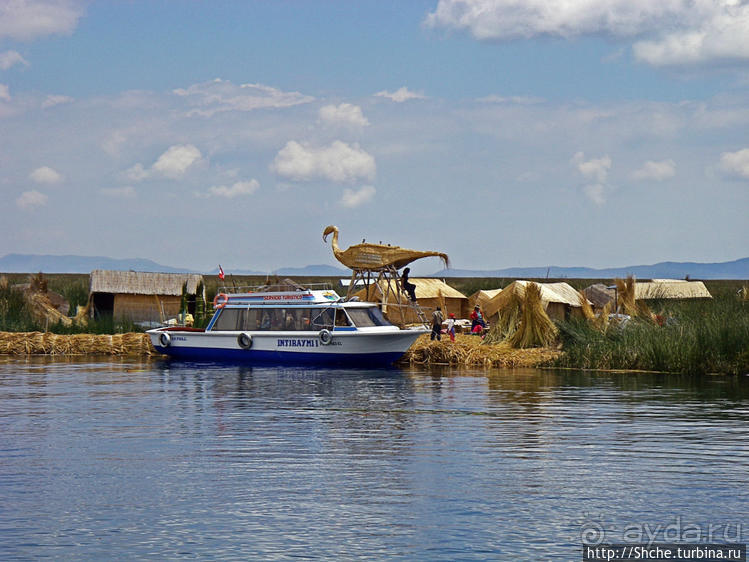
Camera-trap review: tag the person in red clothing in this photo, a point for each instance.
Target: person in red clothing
(477, 319)
(451, 326)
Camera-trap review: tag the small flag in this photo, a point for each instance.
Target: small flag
(220, 272)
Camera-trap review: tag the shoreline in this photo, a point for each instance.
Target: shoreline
(466, 351)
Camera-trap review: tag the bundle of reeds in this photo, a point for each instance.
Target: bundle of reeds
(586, 307)
(625, 296)
(536, 328)
(599, 321)
(627, 304)
(506, 321)
(43, 312)
(46, 343)
(471, 351)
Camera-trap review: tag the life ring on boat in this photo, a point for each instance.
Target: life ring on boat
(325, 337)
(165, 339)
(220, 303)
(244, 340)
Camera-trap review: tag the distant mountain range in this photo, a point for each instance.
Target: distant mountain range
(738, 269)
(30, 263)
(307, 271)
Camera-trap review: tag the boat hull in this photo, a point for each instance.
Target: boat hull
(377, 348)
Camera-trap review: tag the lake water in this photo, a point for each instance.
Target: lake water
(159, 460)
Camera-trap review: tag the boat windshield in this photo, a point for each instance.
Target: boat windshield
(367, 317)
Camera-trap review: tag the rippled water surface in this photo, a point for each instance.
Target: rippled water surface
(160, 460)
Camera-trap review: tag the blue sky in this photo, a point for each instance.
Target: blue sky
(504, 133)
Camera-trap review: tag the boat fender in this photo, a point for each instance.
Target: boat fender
(244, 340)
(325, 337)
(165, 339)
(220, 300)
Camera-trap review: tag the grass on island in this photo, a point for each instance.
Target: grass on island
(702, 337)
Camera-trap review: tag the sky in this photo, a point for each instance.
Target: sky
(506, 133)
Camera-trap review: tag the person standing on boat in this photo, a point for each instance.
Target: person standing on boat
(408, 287)
(437, 319)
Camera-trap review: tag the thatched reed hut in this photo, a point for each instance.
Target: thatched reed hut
(142, 297)
(671, 289)
(559, 300)
(430, 293)
(656, 289)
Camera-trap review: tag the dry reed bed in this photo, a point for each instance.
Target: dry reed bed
(46, 343)
(470, 351)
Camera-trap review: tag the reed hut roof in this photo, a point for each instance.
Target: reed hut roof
(435, 288)
(671, 289)
(142, 283)
(550, 293)
(599, 294)
(482, 297)
(425, 289)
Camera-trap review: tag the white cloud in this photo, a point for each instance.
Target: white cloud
(352, 198)
(29, 19)
(4, 92)
(53, 100)
(596, 192)
(723, 34)
(519, 100)
(127, 192)
(658, 171)
(401, 95)
(31, 199)
(237, 189)
(595, 171)
(9, 59)
(136, 173)
(209, 98)
(735, 164)
(665, 32)
(176, 160)
(338, 162)
(343, 114)
(46, 175)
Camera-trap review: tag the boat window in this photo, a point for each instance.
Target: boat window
(269, 319)
(340, 318)
(304, 316)
(367, 317)
(229, 319)
(250, 319)
(280, 319)
(322, 319)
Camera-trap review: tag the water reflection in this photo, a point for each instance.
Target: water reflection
(102, 459)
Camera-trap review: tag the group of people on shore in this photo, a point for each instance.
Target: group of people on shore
(478, 324)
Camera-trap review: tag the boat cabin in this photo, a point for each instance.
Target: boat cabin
(292, 311)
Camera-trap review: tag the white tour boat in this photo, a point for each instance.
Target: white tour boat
(290, 327)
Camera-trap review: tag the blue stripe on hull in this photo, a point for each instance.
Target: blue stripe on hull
(280, 357)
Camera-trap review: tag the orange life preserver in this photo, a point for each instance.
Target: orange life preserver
(224, 301)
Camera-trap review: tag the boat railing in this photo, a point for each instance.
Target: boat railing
(274, 288)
